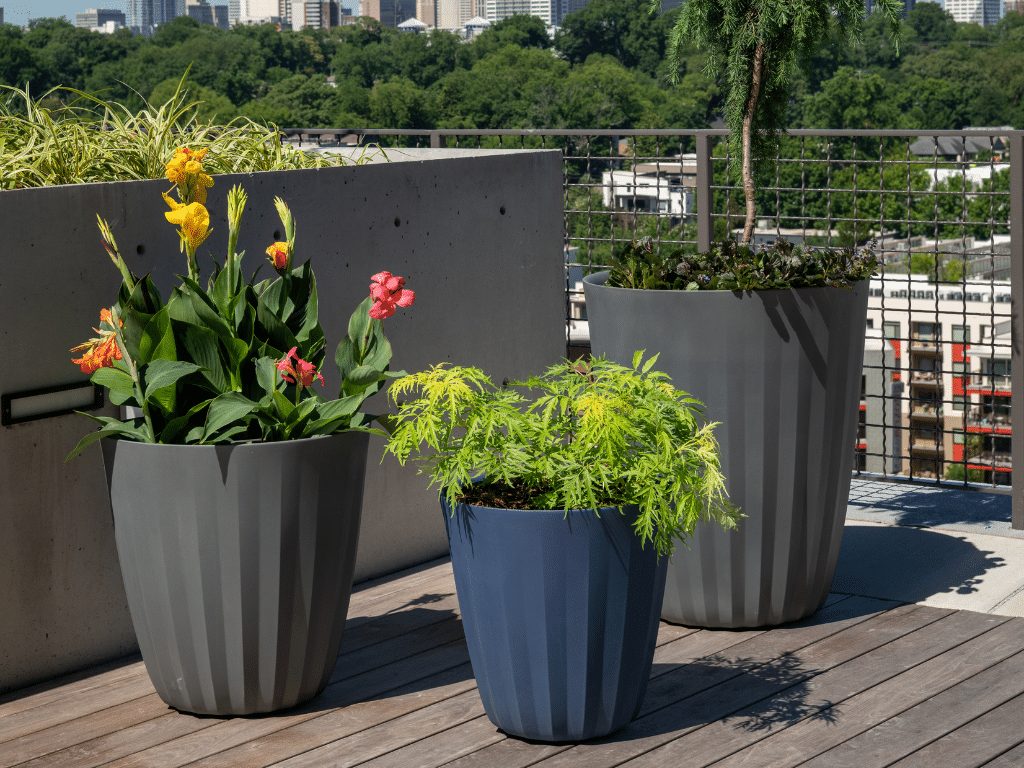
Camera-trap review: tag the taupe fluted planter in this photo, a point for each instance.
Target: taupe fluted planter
(781, 371)
(237, 561)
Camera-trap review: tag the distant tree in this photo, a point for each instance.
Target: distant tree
(932, 24)
(753, 45)
(618, 28)
(522, 30)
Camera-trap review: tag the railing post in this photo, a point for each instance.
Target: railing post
(1017, 319)
(437, 140)
(705, 224)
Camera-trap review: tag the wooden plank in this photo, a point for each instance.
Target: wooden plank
(401, 580)
(897, 642)
(857, 714)
(395, 623)
(73, 732)
(406, 735)
(434, 751)
(975, 743)
(943, 712)
(397, 648)
(101, 723)
(348, 724)
(1013, 758)
(38, 718)
(232, 732)
(420, 596)
(176, 739)
(52, 691)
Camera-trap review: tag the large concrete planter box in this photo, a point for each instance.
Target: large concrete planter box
(561, 616)
(450, 221)
(781, 371)
(237, 562)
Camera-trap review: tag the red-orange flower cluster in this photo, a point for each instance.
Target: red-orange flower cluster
(100, 352)
(387, 291)
(278, 254)
(302, 371)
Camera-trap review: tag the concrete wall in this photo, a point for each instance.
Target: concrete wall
(478, 236)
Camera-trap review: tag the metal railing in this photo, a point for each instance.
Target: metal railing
(943, 211)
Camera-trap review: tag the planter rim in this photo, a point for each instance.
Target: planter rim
(238, 444)
(600, 278)
(563, 512)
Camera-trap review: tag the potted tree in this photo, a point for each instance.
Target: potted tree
(773, 342)
(235, 486)
(561, 510)
(768, 340)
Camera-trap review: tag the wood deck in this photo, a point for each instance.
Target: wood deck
(864, 683)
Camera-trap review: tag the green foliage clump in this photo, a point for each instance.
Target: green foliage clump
(733, 267)
(91, 140)
(597, 435)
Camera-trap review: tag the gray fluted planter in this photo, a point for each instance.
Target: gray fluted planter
(237, 561)
(560, 612)
(781, 371)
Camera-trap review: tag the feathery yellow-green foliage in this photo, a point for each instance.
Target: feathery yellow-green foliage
(595, 435)
(92, 140)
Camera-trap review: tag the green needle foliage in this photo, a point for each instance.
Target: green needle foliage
(595, 435)
(733, 267)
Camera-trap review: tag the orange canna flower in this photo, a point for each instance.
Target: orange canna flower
(100, 352)
(279, 254)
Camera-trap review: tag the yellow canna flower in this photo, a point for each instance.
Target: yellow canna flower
(185, 169)
(193, 219)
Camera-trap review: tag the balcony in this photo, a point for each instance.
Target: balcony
(925, 410)
(917, 652)
(925, 379)
(925, 345)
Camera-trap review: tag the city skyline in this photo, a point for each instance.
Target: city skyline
(20, 11)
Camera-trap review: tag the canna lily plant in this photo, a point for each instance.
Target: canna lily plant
(234, 360)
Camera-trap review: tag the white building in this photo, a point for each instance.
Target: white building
(99, 19)
(653, 187)
(144, 15)
(984, 12)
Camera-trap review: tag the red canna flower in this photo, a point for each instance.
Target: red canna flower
(301, 372)
(388, 292)
(99, 352)
(279, 253)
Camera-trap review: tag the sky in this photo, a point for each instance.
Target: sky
(20, 11)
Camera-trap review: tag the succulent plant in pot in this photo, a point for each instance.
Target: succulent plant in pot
(564, 495)
(772, 341)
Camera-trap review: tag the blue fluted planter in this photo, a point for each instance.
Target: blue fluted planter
(237, 562)
(560, 614)
(781, 371)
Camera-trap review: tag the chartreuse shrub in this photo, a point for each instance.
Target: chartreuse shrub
(579, 436)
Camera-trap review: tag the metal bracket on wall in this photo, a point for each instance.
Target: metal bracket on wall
(61, 400)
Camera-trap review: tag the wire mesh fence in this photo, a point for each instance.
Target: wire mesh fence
(935, 207)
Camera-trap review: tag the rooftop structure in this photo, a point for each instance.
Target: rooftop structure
(99, 19)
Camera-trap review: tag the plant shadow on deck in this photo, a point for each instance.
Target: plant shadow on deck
(910, 564)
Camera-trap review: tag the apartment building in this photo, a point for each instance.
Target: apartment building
(950, 354)
(664, 187)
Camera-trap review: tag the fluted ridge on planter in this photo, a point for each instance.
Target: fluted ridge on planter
(561, 615)
(237, 562)
(781, 371)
